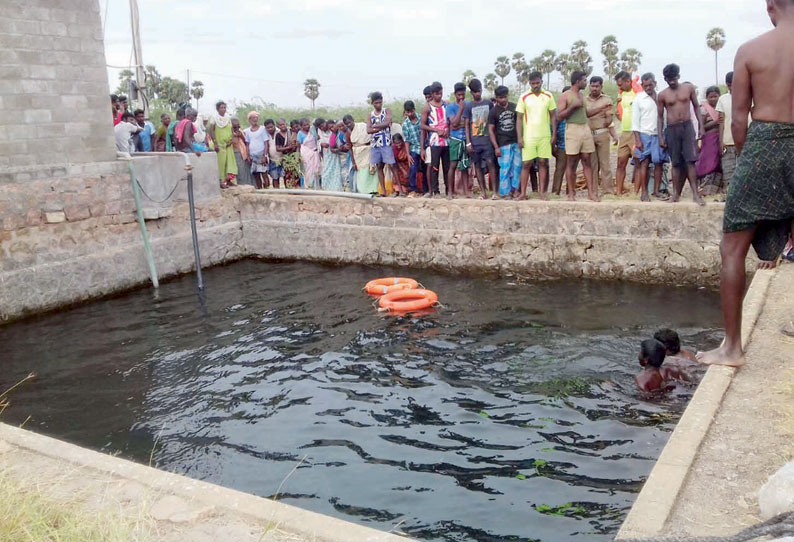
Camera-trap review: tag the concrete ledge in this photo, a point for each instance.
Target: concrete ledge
(655, 502)
(310, 526)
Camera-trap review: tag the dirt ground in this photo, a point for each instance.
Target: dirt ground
(753, 433)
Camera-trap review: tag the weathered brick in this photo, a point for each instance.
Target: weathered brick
(77, 212)
(35, 116)
(55, 217)
(33, 217)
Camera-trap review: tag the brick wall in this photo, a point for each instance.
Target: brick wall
(54, 107)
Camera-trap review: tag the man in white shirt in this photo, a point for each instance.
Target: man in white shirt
(123, 132)
(724, 106)
(644, 118)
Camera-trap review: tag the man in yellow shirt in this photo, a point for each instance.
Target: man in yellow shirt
(538, 128)
(626, 142)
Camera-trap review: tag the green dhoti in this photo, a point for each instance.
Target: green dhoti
(761, 194)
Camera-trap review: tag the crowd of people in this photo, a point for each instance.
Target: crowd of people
(505, 146)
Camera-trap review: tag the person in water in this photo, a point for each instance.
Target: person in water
(654, 377)
(672, 344)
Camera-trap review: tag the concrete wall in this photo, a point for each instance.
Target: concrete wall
(54, 106)
(654, 242)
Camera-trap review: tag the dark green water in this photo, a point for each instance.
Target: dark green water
(510, 414)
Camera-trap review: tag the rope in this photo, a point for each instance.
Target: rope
(150, 198)
(778, 526)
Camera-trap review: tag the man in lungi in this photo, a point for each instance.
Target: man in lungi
(760, 205)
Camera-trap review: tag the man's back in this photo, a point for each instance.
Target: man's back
(769, 59)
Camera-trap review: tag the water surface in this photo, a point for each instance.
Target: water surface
(509, 414)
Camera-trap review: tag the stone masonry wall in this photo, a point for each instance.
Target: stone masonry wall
(54, 106)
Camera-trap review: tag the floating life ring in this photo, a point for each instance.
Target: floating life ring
(408, 300)
(393, 284)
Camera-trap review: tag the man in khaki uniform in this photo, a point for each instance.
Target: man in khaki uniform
(600, 114)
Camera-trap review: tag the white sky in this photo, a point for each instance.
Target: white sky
(243, 49)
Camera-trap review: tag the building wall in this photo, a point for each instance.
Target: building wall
(54, 105)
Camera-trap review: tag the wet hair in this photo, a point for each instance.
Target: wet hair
(729, 78)
(670, 339)
(218, 104)
(428, 90)
(534, 76)
(501, 91)
(127, 115)
(653, 352)
(409, 106)
(623, 74)
(347, 118)
(113, 98)
(596, 79)
(648, 77)
(576, 76)
(375, 96)
(566, 88)
(671, 71)
(138, 112)
(713, 88)
(475, 85)
(269, 121)
(459, 87)
(436, 87)
(397, 137)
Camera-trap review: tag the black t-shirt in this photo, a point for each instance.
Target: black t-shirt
(281, 141)
(504, 121)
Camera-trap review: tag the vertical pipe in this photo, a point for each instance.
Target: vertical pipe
(142, 223)
(196, 254)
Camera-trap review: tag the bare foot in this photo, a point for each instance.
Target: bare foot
(700, 201)
(571, 197)
(722, 356)
(645, 197)
(544, 196)
(767, 264)
(594, 198)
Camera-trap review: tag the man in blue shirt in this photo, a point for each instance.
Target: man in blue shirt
(143, 139)
(458, 158)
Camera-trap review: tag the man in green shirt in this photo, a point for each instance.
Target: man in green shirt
(579, 143)
(626, 142)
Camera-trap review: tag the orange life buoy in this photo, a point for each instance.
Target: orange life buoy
(408, 300)
(384, 286)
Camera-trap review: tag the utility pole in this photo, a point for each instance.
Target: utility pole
(138, 55)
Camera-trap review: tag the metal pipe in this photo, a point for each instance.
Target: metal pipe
(301, 192)
(142, 223)
(193, 231)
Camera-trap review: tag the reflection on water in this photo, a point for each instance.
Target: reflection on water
(510, 414)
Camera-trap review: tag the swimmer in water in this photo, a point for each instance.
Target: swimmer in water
(672, 344)
(654, 377)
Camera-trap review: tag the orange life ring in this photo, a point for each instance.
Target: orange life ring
(408, 300)
(384, 286)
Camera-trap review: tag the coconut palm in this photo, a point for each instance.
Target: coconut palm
(490, 82)
(468, 75)
(547, 63)
(563, 65)
(715, 40)
(521, 68)
(630, 60)
(311, 89)
(580, 57)
(610, 50)
(502, 68)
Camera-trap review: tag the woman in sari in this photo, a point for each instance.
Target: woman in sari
(709, 166)
(332, 168)
(160, 134)
(220, 132)
(366, 179)
(344, 147)
(310, 154)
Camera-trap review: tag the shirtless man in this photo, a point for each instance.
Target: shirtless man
(760, 204)
(679, 137)
(578, 136)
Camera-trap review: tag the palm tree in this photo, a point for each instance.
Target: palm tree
(630, 60)
(468, 75)
(715, 40)
(521, 68)
(610, 50)
(125, 76)
(197, 91)
(580, 57)
(563, 65)
(547, 61)
(153, 81)
(490, 82)
(502, 67)
(311, 89)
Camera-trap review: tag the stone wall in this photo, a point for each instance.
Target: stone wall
(54, 106)
(653, 243)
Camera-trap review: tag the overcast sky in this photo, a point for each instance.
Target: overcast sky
(261, 48)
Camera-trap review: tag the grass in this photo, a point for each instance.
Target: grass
(29, 515)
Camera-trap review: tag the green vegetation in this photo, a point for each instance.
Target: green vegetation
(568, 509)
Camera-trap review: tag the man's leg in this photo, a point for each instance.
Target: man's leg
(448, 183)
(601, 163)
(693, 183)
(644, 175)
(525, 167)
(492, 178)
(587, 165)
(435, 158)
(414, 170)
(543, 178)
(533, 176)
(560, 166)
(620, 175)
(382, 178)
(480, 178)
(450, 174)
(658, 170)
(733, 278)
(678, 183)
(570, 176)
